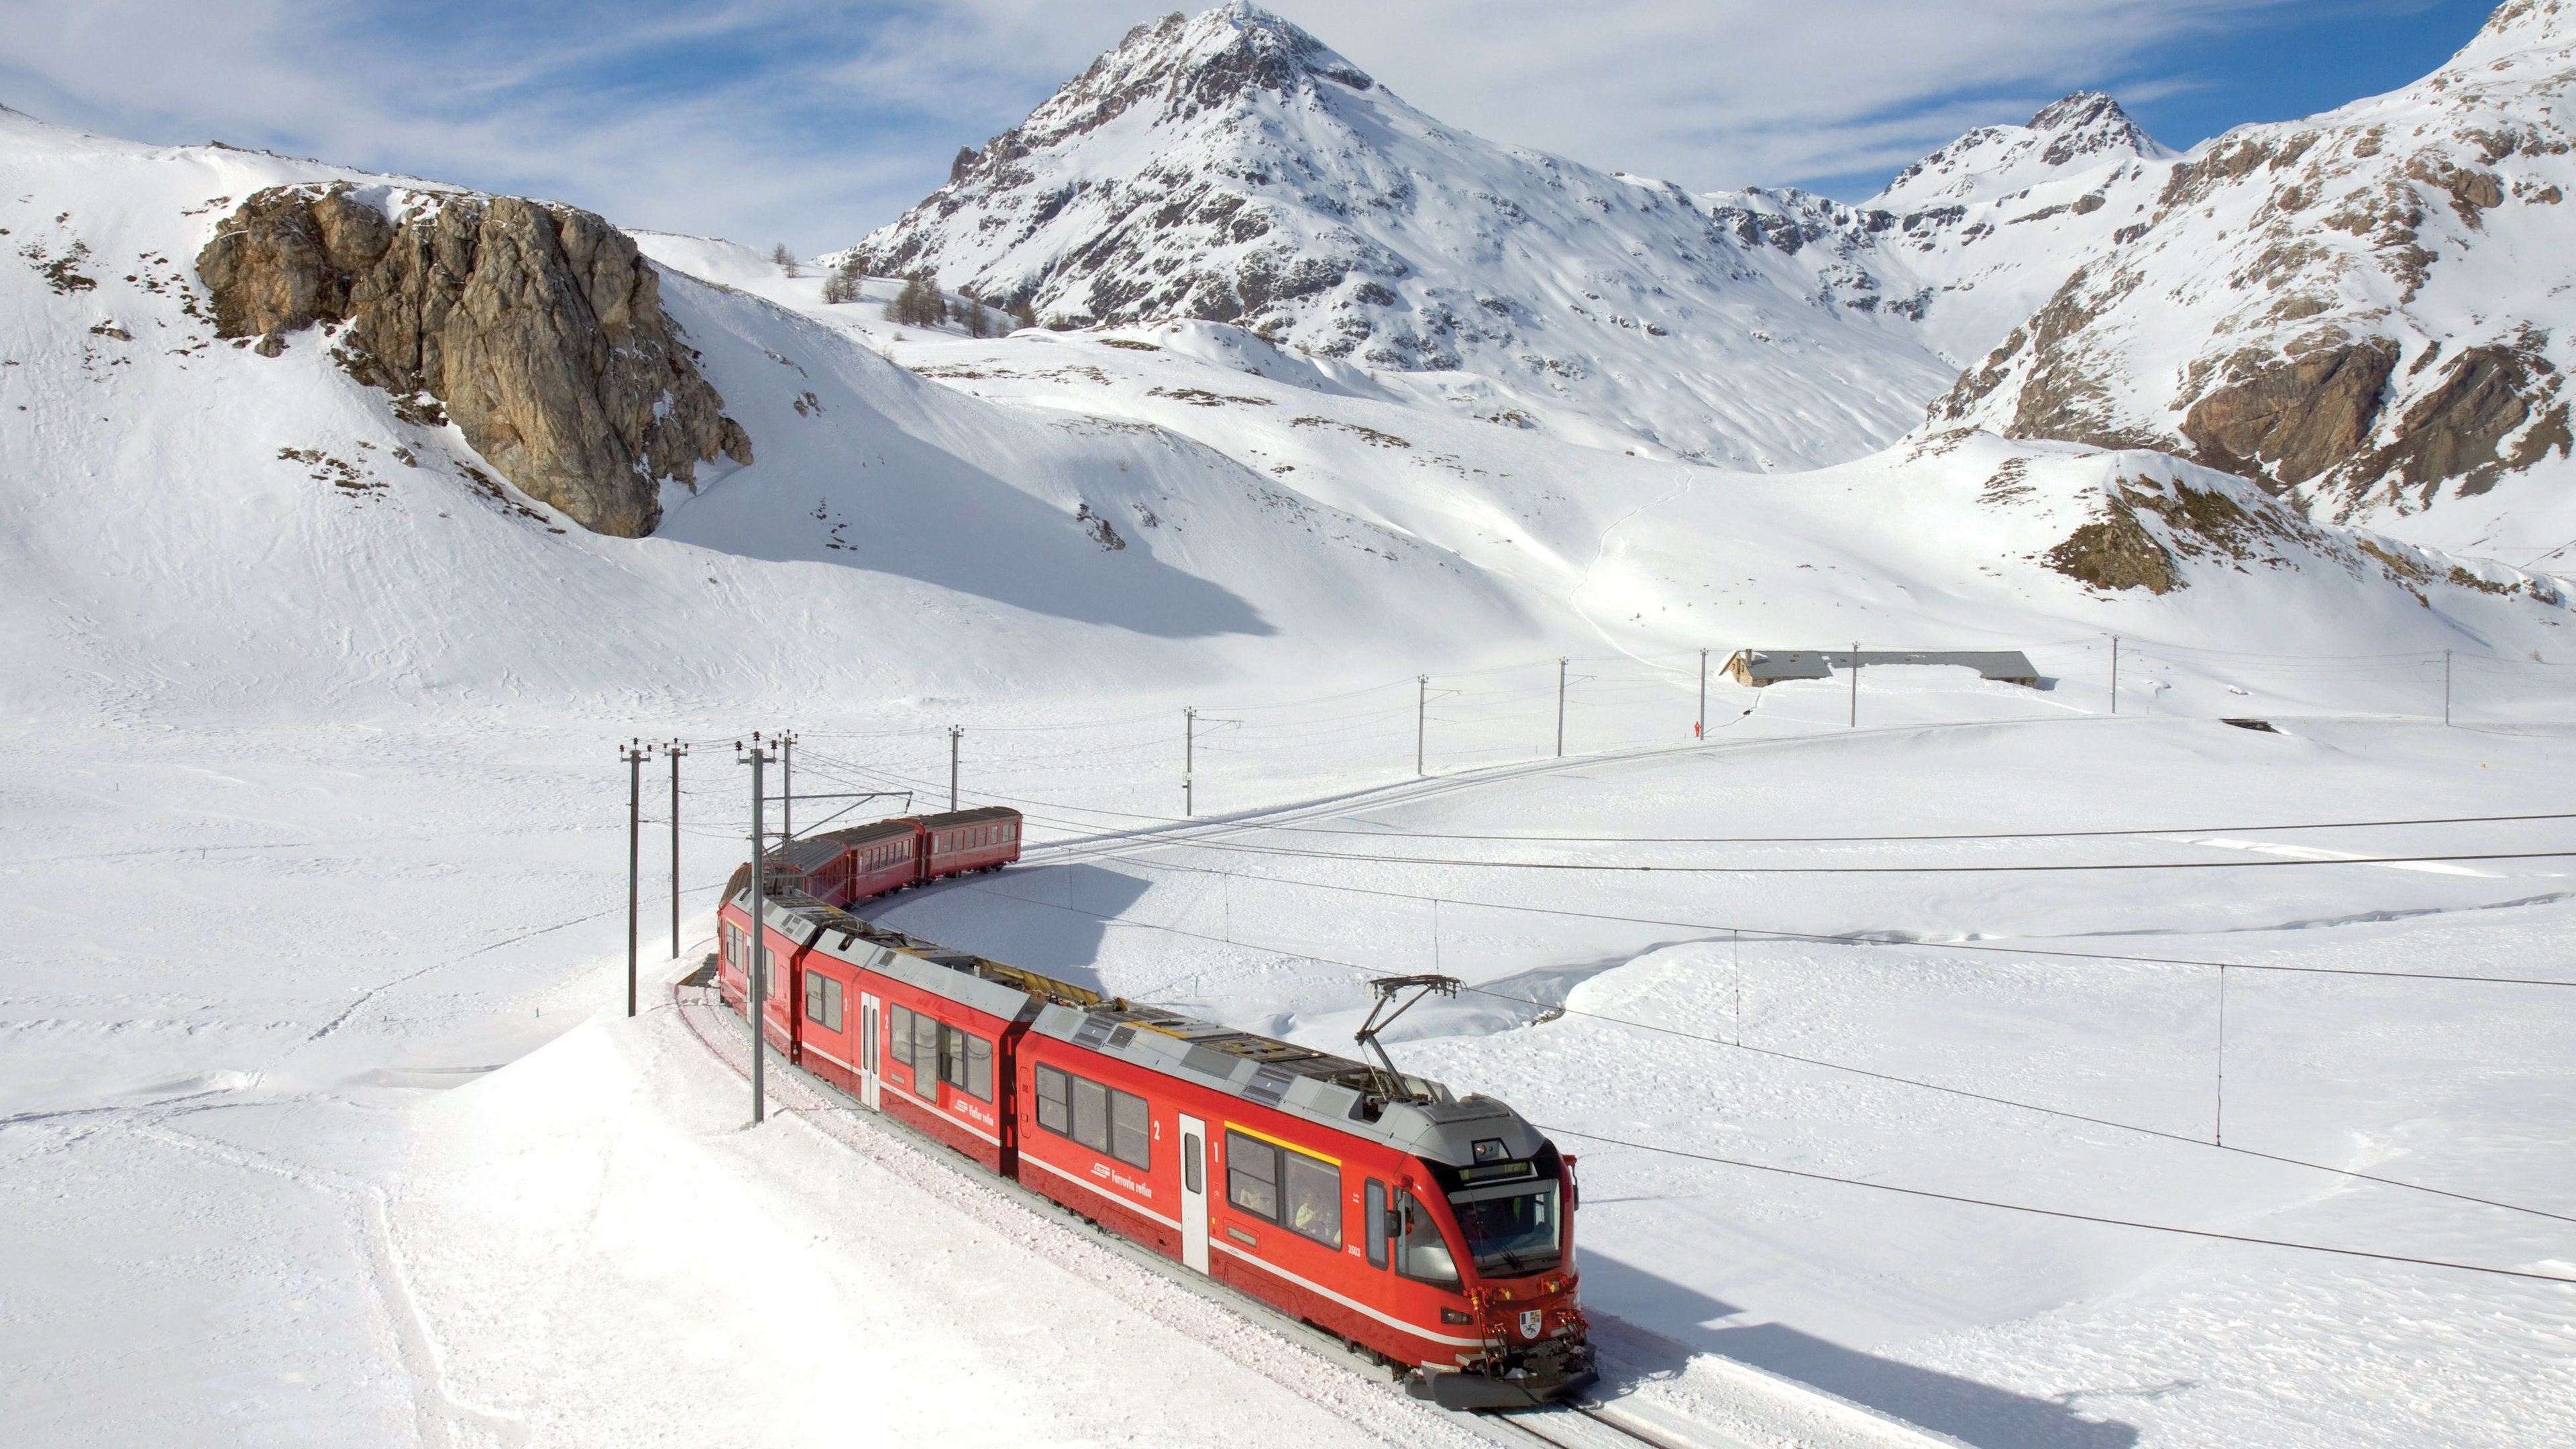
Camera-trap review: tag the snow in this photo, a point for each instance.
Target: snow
(322, 1121)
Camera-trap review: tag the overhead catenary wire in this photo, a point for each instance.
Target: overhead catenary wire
(2060, 1213)
(1843, 939)
(1714, 930)
(1615, 867)
(1209, 827)
(2104, 832)
(1231, 940)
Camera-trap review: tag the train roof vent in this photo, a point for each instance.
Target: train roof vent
(1268, 1085)
(1214, 1064)
(1094, 1030)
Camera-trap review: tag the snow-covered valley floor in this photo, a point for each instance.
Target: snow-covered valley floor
(325, 1125)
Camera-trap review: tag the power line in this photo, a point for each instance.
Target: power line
(1765, 932)
(1803, 1060)
(2101, 833)
(1899, 839)
(1770, 933)
(2056, 1212)
(1597, 866)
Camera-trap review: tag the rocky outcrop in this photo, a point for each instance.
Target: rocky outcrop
(2486, 397)
(2116, 552)
(537, 327)
(2286, 420)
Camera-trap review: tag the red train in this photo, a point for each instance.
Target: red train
(1433, 1231)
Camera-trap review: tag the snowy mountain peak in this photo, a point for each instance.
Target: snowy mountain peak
(1222, 52)
(1231, 168)
(2078, 134)
(1185, 65)
(2090, 122)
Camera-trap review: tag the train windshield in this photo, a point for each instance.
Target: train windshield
(1511, 1230)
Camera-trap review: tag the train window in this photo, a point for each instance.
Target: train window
(1129, 1129)
(1373, 1223)
(1191, 1180)
(1419, 1252)
(1091, 1114)
(925, 1057)
(899, 1035)
(823, 1000)
(1312, 1189)
(966, 1062)
(1511, 1228)
(1252, 1175)
(1055, 1106)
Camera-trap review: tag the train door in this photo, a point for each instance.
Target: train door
(1194, 1217)
(868, 1039)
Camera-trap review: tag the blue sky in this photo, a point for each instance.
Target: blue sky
(810, 121)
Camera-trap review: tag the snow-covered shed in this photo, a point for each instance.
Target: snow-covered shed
(1758, 667)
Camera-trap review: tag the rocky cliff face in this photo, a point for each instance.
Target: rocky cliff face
(2354, 309)
(538, 329)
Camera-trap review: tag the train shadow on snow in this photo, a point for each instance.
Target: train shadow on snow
(1975, 1413)
(1046, 918)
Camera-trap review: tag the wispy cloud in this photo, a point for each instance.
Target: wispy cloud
(814, 120)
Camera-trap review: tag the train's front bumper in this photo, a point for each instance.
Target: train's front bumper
(1517, 1378)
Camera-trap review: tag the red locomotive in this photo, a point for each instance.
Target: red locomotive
(1433, 1231)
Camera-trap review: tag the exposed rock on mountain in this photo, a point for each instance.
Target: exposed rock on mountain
(538, 328)
(2354, 308)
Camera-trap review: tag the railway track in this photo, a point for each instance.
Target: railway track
(1585, 1426)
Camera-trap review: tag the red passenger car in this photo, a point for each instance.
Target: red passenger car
(1431, 1230)
(968, 840)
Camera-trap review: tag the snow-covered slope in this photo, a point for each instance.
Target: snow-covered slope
(173, 501)
(2367, 307)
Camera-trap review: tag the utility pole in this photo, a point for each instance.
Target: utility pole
(953, 732)
(1699, 727)
(634, 753)
(1560, 707)
(2218, 1123)
(2115, 674)
(786, 785)
(1189, 757)
(1421, 718)
(756, 993)
(2446, 686)
(675, 750)
(1855, 695)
